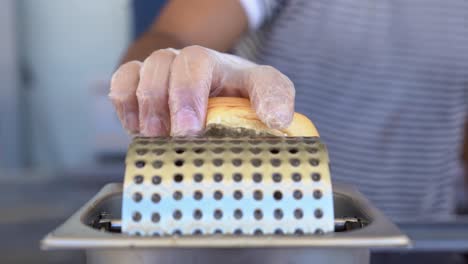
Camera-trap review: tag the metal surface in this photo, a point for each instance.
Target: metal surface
(104, 223)
(230, 256)
(76, 232)
(438, 236)
(337, 247)
(204, 186)
(187, 199)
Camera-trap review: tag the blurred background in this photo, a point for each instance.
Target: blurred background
(60, 140)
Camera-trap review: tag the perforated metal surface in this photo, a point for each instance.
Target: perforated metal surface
(237, 186)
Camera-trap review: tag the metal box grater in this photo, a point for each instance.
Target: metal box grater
(111, 228)
(261, 185)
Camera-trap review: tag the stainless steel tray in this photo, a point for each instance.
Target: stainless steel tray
(104, 247)
(76, 232)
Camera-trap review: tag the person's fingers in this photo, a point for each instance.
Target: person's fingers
(169, 93)
(198, 73)
(190, 83)
(271, 95)
(124, 83)
(152, 93)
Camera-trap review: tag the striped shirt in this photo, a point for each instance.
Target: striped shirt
(386, 83)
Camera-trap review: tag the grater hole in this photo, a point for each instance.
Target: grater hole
(144, 142)
(299, 232)
(156, 180)
(198, 177)
(258, 232)
(291, 141)
(319, 231)
(317, 194)
(140, 164)
(198, 162)
(274, 151)
(197, 195)
(218, 214)
(278, 231)
(179, 163)
(177, 195)
(218, 232)
(197, 214)
(218, 195)
(315, 176)
(297, 194)
(294, 162)
(155, 218)
(237, 177)
(257, 177)
(156, 234)
(236, 150)
(218, 141)
(218, 162)
(296, 177)
(318, 213)
(258, 214)
(178, 177)
(177, 232)
(276, 177)
(157, 164)
(275, 162)
(138, 179)
(255, 150)
(237, 194)
(237, 162)
(199, 141)
(158, 151)
(141, 151)
(258, 195)
(293, 150)
(256, 162)
(136, 216)
(314, 162)
(298, 214)
(277, 195)
(198, 150)
(238, 214)
(177, 214)
(311, 150)
(278, 214)
(156, 198)
(197, 232)
(272, 141)
(138, 233)
(238, 231)
(217, 177)
(310, 141)
(159, 142)
(255, 142)
(218, 150)
(180, 141)
(180, 150)
(137, 197)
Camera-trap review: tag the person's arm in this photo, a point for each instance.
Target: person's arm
(161, 90)
(215, 24)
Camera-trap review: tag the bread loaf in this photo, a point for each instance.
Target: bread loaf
(232, 116)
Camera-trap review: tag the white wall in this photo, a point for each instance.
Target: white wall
(70, 47)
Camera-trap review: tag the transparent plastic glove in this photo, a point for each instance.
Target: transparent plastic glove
(168, 93)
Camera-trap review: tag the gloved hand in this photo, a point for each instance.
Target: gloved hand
(168, 92)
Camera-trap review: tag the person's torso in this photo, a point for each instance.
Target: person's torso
(386, 83)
